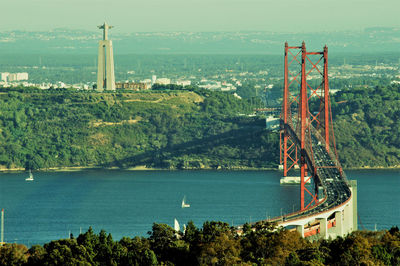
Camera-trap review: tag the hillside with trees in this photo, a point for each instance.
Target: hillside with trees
(167, 128)
(216, 243)
(367, 126)
(171, 127)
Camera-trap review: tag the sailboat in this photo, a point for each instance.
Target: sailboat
(177, 228)
(30, 178)
(184, 204)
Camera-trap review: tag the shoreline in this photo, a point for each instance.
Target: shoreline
(144, 168)
(136, 168)
(79, 168)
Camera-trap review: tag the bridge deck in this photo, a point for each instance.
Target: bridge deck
(335, 186)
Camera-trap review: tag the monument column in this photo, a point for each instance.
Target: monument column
(105, 64)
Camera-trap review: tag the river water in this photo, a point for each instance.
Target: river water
(126, 203)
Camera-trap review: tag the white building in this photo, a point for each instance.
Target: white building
(22, 76)
(4, 76)
(14, 76)
(227, 87)
(147, 82)
(210, 84)
(163, 81)
(183, 82)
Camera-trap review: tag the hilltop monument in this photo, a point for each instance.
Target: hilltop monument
(105, 67)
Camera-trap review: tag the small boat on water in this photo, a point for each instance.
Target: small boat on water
(30, 178)
(176, 225)
(184, 204)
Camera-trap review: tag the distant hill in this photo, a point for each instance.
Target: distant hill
(181, 129)
(367, 126)
(63, 41)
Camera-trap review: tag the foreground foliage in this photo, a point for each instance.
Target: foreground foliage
(214, 244)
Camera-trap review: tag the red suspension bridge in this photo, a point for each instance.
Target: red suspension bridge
(328, 206)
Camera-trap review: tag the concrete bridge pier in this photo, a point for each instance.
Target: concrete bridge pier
(344, 215)
(300, 229)
(323, 227)
(353, 188)
(339, 223)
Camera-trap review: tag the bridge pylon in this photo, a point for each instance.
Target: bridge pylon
(288, 148)
(305, 108)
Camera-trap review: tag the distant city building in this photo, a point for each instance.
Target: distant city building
(153, 79)
(4, 76)
(10, 77)
(163, 81)
(133, 85)
(210, 85)
(22, 76)
(227, 87)
(216, 85)
(105, 68)
(147, 82)
(60, 84)
(183, 82)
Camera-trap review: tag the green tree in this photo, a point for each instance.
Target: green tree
(13, 254)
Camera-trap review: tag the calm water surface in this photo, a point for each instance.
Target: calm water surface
(126, 203)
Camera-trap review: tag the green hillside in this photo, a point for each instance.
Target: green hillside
(178, 129)
(367, 126)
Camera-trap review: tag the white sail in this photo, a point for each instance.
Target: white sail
(184, 204)
(176, 225)
(30, 178)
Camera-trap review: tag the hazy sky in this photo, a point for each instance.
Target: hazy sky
(200, 15)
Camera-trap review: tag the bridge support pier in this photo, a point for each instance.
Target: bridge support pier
(339, 223)
(348, 218)
(353, 189)
(323, 228)
(300, 229)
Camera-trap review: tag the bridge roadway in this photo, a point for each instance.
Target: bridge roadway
(337, 194)
(336, 188)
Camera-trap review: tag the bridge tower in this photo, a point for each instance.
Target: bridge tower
(288, 147)
(305, 108)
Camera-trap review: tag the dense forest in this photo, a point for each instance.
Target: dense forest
(214, 244)
(172, 127)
